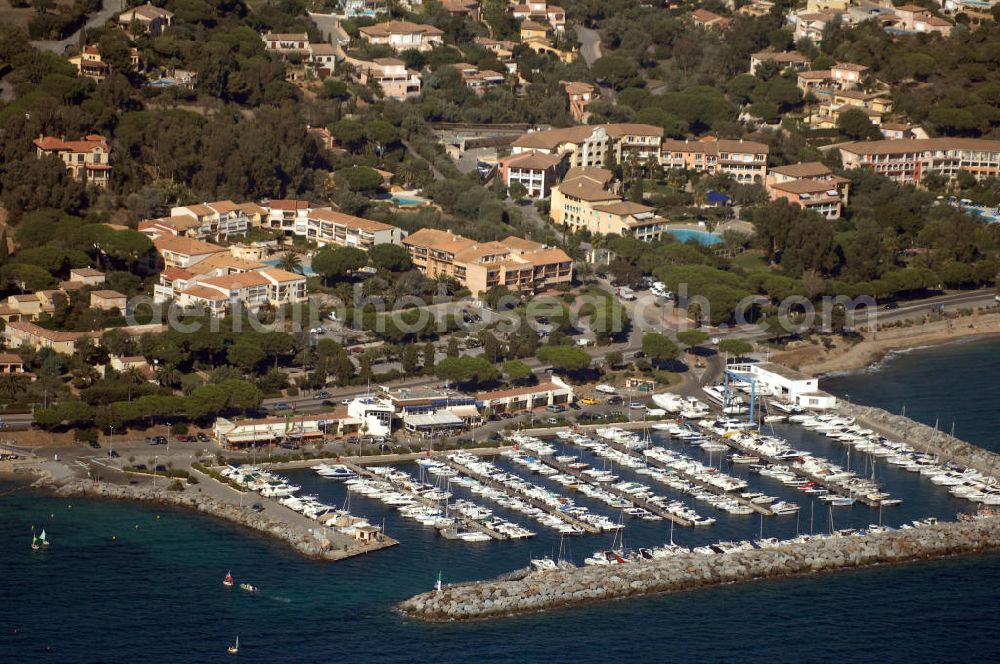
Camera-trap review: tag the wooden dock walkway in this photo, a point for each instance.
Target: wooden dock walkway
(531, 500)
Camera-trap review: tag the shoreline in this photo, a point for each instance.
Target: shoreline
(841, 359)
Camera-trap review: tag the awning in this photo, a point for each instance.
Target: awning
(441, 418)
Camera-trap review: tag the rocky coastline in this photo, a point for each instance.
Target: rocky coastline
(313, 544)
(566, 588)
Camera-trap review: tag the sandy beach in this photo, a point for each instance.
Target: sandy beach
(843, 356)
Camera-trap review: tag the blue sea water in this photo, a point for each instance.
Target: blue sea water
(126, 583)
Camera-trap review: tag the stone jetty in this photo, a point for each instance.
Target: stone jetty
(565, 588)
(922, 437)
(314, 544)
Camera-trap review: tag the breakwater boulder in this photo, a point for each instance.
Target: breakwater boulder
(564, 588)
(923, 437)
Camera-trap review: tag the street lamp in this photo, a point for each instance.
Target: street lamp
(155, 459)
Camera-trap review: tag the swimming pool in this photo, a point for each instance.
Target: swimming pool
(306, 269)
(400, 199)
(701, 237)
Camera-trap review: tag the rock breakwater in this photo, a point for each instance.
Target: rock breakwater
(922, 437)
(317, 543)
(565, 588)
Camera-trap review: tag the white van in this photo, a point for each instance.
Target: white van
(606, 389)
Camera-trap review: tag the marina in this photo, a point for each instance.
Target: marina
(705, 478)
(489, 475)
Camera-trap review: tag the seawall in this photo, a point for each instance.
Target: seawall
(313, 544)
(566, 588)
(922, 437)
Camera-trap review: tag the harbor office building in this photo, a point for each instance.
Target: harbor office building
(786, 385)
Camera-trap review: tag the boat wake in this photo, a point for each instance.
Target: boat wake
(283, 600)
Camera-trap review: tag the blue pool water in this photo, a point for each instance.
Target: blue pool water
(154, 593)
(306, 269)
(701, 237)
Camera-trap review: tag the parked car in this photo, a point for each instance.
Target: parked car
(96, 445)
(317, 330)
(638, 355)
(160, 468)
(161, 440)
(202, 438)
(615, 400)
(257, 507)
(588, 401)
(113, 454)
(182, 438)
(889, 306)
(280, 405)
(635, 405)
(551, 420)
(322, 394)
(575, 406)
(150, 440)
(357, 350)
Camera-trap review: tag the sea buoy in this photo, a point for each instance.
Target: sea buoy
(114, 538)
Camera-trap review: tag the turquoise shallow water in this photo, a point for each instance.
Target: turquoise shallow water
(154, 593)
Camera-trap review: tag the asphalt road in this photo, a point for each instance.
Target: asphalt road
(109, 9)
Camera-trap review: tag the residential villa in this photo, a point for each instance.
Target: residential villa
(791, 60)
(463, 9)
(580, 96)
(910, 160)
(710, 20)
(108, 300)
(403, 35)
(22, 334)
(745, 161)
(90, 64)
(184, 252)
(145, 19)
(538, 11)
(916, 19)
(252, 289)
(536, 171)
(288, 215)
(586, 201)
(518, 264)
(326, 226)
(87, 159)
(397, 82)
(478, 80)
(355, 8)
(502, 49)
(841, 76)
(286, 42)
(811, 185)
(87, 276)
(589, 145)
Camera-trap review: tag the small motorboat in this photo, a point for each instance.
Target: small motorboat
(228, 581)
(249, 587)
(234, 647)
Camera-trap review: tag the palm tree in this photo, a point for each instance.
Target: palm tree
(11, 385)
(290, 262)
